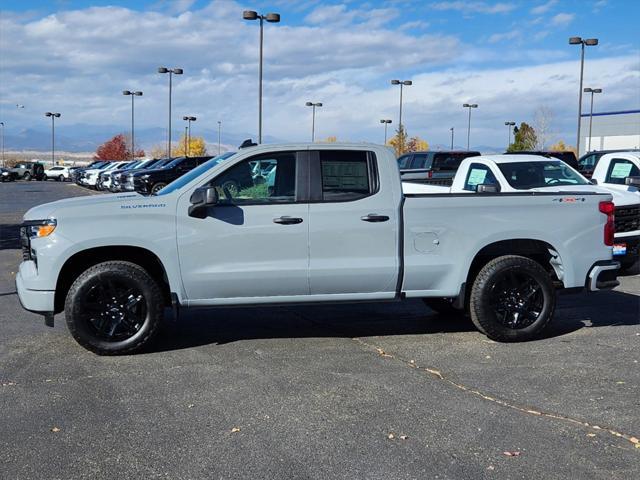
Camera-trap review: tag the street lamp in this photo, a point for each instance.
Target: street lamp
(469, 106)
(219, 132)
(187, 136)
(401, 83)
(591, 91)
(451, 137)
(2, 144)
(272, 18)
(386, 122)
(133, 143)
(313, 119)
(509, 125)
(171, 72)
(53, 134)
(590, 42)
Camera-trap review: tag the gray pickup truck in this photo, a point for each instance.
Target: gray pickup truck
(319, 223)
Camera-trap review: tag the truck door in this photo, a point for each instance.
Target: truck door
(254, 242)
(353, 226)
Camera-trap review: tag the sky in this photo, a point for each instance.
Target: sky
(512, 58)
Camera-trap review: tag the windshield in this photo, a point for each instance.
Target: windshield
(161, 163)
(175, 162)
(552, 173)
(196, 172)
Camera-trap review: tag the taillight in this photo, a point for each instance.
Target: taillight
(430, 174)
(608, 208)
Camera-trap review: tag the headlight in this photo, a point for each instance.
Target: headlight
(40, 228)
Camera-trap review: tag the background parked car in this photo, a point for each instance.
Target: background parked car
(587, 162)
(7, 175)
(57, 172)
(29, 171)
(152, 181)
(435, 167)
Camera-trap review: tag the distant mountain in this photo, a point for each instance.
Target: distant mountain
(86, 138)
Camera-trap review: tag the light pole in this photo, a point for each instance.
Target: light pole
(219, 131)
(386, 122)
(171, 72)
(469, 106)
(401, 83)
(2, 144)
(187, 138)
(591, 91)
(133, 143)
(451, 137)
(272, 18)
(53, 134)
(509, 125)
(313, 118)
(590, 42)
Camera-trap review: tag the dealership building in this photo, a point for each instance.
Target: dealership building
(610, 130)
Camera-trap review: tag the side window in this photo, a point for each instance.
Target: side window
(619, 169)
(404, 161)
(478, 174)
(447, 163)
(420, 160)
(265, 179)
(346, 175)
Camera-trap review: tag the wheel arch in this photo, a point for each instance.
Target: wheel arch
(80, 261)
(537, 250)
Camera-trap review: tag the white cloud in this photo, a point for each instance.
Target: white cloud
(562, 19)
(544, 8)
(499, 37)
(474, 7)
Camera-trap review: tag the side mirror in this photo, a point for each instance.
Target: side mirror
(593, 181)
(201, 199)
(487, 188)
(632, 181)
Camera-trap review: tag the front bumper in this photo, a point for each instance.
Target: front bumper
(603, 276)
(38, 301)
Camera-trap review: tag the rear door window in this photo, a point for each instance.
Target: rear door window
(404, 161)
(619, 169)
(345, 175)
(421, 160)
(447, 162)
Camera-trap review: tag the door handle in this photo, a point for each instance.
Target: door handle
(287, 220)
(372, 217)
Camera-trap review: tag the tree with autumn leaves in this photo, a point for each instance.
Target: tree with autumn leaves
(401, 144)
(116, 149)
(193, 147)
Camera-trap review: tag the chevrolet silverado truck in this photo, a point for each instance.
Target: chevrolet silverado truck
(331, 224)
(520, 173)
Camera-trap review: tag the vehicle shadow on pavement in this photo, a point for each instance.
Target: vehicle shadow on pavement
(225, 325)
(9, 236)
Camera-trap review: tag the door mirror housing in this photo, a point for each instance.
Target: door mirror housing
(487, 188)
(201, 199)
(593, 181)
(632, 181)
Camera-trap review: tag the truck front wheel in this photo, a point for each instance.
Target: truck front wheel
(113, 308)
(512, 299)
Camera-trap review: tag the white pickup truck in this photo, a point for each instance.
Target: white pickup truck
(533, 173)
(330, 224)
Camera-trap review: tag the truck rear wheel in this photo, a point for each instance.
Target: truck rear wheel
(512, 299)
(114, 308)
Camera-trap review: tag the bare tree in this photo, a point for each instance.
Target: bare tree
(543, 119)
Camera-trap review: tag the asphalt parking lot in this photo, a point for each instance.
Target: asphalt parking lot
(359, 391)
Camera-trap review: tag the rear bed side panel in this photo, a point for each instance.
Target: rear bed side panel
(443, 234)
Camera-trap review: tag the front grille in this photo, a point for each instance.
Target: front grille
(25, 244)
(627, 218)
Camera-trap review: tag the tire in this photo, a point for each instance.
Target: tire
(27, 177)
(512, 299)
(61, 178)
(157, 187)
(108, 327)
(442, 306)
